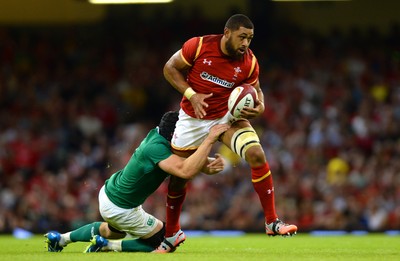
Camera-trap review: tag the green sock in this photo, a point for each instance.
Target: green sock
(135, 245)
(86, 232)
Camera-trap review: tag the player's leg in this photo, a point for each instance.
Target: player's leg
(135, 222)
(174, 236)
(189, 133)
(57, 241)
(244, 141)
(177, 188)
(146, 243)
(146, 231)
(176, 195)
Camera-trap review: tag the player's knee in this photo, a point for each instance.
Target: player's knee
(107, 231)
(246, 144)
(255, 156)
(177, 184)
(104, 230)
(156, 239)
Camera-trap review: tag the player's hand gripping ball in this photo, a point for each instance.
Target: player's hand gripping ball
(244, 95)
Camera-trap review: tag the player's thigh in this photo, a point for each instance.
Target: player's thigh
(227, 137)
(241, 138)
(134, 221)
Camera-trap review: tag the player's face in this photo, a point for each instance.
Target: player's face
(238, 41)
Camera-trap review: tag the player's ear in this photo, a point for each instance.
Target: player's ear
(226, 32)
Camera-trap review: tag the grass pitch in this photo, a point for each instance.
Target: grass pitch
(247, 247)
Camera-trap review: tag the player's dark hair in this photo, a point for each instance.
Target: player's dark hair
(167, 124)
(238, 20)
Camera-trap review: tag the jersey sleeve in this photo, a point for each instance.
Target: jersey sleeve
(189, 50)
(254, 71)
(157, 152)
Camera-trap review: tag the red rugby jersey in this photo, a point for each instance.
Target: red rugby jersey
(214, 72)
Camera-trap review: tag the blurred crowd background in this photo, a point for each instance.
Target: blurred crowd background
(75, 101)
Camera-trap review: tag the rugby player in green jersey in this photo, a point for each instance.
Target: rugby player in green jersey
(122, 196)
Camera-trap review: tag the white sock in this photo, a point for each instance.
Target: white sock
(113, 245)
(65, 239)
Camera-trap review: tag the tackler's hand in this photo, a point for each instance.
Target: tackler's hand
(216, 165)
(216, 131)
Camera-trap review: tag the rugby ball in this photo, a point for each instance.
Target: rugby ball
(244, 95)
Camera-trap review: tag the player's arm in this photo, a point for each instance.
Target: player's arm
(174, 72)
(189, 167)
(250, 113)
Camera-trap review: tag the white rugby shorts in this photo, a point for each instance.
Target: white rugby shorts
(135, 221)
(190, 132)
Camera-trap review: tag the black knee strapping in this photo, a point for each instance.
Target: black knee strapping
(113, 229)
(156, 239)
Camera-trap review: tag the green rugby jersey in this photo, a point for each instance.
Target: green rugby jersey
(129, 187)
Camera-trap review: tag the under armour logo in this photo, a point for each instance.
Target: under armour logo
(207, 62)
(170, 207)
(269, 191)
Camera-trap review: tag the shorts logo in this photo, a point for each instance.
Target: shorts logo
(216, 80)
(150, 221)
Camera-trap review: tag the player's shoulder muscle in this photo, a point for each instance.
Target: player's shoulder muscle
(190, 49)
(254, 68)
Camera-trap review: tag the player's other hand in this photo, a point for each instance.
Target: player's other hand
(199, 104)
(251, 113)
(216, 164)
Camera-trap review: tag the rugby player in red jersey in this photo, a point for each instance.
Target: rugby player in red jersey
(205, 70)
